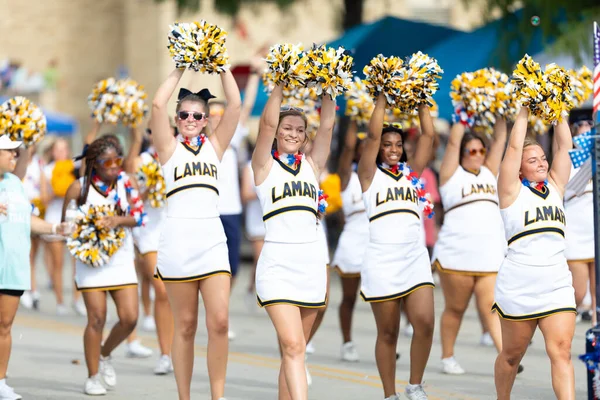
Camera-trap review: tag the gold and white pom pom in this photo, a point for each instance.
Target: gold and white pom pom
(199, 46)
(287, 65)
(330, 70)
(114, 101)
(22, 121)
(359, 103)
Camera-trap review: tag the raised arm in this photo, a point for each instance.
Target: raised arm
(131, 160)
(561, 163)
(322, 143)
(224, 132)
(368, 159)
(248, 193)
(425, 143)
(267, 129)
(251, 90)
(22, 162)
(492, 162)
(452, 155)
(162, 136)
(509, 183)
(347, 156)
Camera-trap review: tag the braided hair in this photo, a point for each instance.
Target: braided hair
(92, 153)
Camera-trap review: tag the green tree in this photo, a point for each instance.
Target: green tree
(352, 10)
(565, 25)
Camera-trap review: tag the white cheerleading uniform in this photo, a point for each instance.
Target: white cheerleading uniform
(147, 237)
(471, 240)
(580, 230)
(31, 182)
(119, 272)
(255, 227)
(534, 280)
(192, 243)
(396, 260)
(354, 239)
(291, 268)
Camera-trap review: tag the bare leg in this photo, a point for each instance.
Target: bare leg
(387, 319)
(349, 290)
(162, 311)
(558, 331)
(56, 250)
(516, 336)
(183, 298)
(581, 277)
(592, 269)
(8, 310)
(126, 301)
(484, 293)
(457, 293)
(293, 326)
(35, 246)
(320, 313)
(419, 310)
(215, 294)
(95, 304)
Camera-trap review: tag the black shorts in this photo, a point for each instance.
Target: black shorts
(11, 292)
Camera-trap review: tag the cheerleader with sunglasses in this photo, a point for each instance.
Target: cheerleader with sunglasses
(396, 261)
(104, 183)
(291, 277)
(534, 286)
(579, 249)
(470, 247)
(192, 251)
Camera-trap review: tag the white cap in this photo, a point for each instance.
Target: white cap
(7, 144)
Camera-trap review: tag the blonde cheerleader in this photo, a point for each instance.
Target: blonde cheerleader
(349, 255)
(470, 245)
(534, 286)
(396, 261)
(104, 184)
(191, 167)
(291, 278)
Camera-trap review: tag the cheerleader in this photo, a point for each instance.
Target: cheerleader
(533, 286)
(104, 183)
(470, 245)
(37, 192)
(146, 240)
(59, 175)
(580, 231)
(349, 255)
(291, 279)
(396, 260)
(192, 250)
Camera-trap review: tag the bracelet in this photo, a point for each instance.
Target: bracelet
(54, 226)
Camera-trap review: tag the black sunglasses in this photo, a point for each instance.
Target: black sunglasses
(183, 115)
(583, 122)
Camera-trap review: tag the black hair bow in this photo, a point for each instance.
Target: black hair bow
(83, 153)
(204, 94)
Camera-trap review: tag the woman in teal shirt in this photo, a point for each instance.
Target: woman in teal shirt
(16, 225)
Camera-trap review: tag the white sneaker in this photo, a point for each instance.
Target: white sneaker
(231, 334)
(79, 307)
(310, 348)
(35, 296)
(164, 365)
(349, 352)
(415, 392)
(393, 397)
(135, 349)
(107, 372)
(408, 330)
(486, 340)
(451, 366)
(8, 393)
(148, 324)
(27, 300)
(62, 310)
(93, 386)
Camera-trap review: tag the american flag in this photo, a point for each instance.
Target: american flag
(596, 103)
